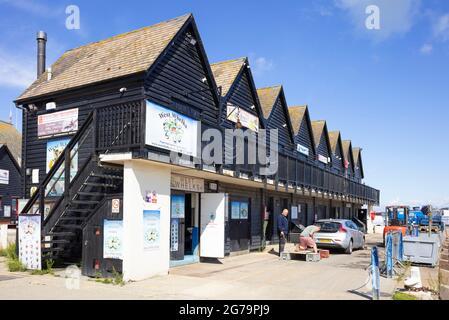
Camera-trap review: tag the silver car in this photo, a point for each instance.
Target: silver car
(339, 234)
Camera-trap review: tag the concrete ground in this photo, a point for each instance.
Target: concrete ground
(252, 276)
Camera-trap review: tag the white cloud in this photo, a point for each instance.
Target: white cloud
(426, 48)
(261, 65)
(16, 71)
(396, 16)
(441, 27)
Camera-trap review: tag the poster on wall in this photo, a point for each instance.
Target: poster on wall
(248, 120)
(244, 210)
(4, 176)
(170, 130)
(54, 149)
(112, 239)
(7, 211)
(294, 212)
(57, 123)
(30, 241)
(174, 229)
(178, 206)
(235, 210)
(151, 229)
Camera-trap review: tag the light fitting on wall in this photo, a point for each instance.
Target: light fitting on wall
(253, 107)
(284, 125)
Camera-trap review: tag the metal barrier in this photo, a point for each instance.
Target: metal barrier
(375, 273)
(394, 253)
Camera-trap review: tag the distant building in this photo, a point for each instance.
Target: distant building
(10, 172)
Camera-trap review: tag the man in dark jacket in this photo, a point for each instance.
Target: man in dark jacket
(282, 229)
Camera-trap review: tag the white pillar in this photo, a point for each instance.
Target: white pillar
(369, 223)
(139, 178)
(3, 236)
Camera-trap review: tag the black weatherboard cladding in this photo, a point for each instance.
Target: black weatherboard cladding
(13, 189)
(178, 77)
(337, 163)
(304, 138)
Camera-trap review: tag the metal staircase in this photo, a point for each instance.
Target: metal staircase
(78, 183)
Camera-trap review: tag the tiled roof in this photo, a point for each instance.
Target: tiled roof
(267, 98)
(347, 152)
(122, 55)
(12, 138)
(296, 116)
(225, 73)
(333, 139)
(317, 129)
(356, 154)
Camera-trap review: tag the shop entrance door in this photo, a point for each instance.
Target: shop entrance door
(239, 215)
(184, 228)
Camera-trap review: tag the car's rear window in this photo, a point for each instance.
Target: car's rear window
(329, 226)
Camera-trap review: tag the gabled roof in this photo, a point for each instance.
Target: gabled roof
(226, 72)
(267, 98)
(122, 55)
(11, 156)
(9, 136)
(357, 154)
(335, 139)
(318, 130)
(297, 114)
(347, 151)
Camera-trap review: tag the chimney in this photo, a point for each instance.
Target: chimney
(41, 44)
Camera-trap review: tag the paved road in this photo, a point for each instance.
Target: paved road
(253, 276)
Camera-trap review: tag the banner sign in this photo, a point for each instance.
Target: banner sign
(174, 235)
(151, 229)
(30, 241)
(247, 119)
(170, 130)
(303, 150)
(112, 239)
(57, 123)
(4, 176)
(323, 159)
(178, 206)
(179, 182)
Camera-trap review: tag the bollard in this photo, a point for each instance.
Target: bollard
(375, 273)
(401, 248)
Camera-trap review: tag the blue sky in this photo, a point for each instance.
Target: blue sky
(386, 90)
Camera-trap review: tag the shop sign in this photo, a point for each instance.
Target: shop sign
(57, 123)
(303, 150)
(30, 241)
(112, 239)
(171, 130)
(4, 176)
(323, 159)
(179, 182)
(248, 120)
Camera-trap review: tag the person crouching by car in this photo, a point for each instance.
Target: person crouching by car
(282, 229)
(306, 238)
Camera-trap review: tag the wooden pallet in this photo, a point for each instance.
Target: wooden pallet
(305, 255)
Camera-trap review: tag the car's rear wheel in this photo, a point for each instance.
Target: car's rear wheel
(349, 248)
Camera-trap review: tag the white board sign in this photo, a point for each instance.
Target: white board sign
(4, 176)
(303, 150)
(57, 123)
(7, 211)
(323, 159)
(170, 130)
(30, 241)
(248, 120)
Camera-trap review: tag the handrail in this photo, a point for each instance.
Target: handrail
(54, 169)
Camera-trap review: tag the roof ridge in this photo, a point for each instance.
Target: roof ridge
(229, 60)
(187, 15)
